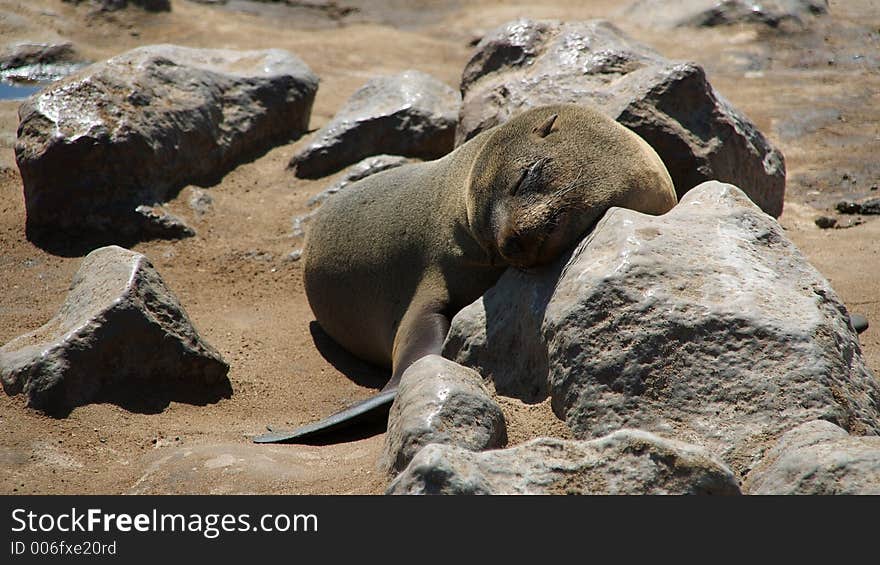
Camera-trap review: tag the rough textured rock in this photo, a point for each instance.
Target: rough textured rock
(440, 402)
(868, 207)
(360, 170)
(624, 462)
(705, 324)
(819, 458)
(38, 62)
(411, 114)
(120, 325)
(159, 223)
(696, 132)
(113, 5)
(140, 126)
(709, 13)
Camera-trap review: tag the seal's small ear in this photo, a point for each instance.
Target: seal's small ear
(544, 129)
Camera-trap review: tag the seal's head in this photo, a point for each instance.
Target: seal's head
(543, 178)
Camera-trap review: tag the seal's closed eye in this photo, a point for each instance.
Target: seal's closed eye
(530, 177)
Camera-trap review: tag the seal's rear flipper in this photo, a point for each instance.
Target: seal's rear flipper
(375, 407)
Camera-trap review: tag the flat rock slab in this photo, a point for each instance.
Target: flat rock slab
(441, 402)
(819, 458)
(410, 114)
(624, 462)
(705, 325)
(135, 129)
(667, 14)
(120, 326)
(246, 468)
(698, 134)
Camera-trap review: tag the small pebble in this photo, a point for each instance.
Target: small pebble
(859, 322)
(826, 222)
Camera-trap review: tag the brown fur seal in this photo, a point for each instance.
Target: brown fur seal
(390, 260)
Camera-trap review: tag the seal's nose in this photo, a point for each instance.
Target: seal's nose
(511, 247)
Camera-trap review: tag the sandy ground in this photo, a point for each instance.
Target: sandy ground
(816, 95)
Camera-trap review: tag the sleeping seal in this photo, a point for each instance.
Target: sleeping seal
(390, 260)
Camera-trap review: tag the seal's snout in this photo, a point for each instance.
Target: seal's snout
(520, 250)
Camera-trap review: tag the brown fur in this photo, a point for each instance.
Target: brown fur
(390, 260)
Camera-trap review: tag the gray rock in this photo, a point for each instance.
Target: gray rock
(819, 457)
(666, 14)
(119, 326)
(360, 170)
(825, 222)
(298, 224)
(705, 325)
(624, 462)
(859, 322)
(137, 128)
(671, 104)
(159, 223)
(201, 202)
(868, 207)
(411, 114)
(113, 5)
(440, 402)
(39, 62)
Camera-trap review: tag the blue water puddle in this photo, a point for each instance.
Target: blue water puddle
(17, 91)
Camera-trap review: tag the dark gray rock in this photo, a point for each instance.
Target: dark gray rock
(440, 402)
(668, 14)
(868, 207)
(135, 129)
(825, 222)
(113, 5)
(859, 322)
(39, 62)
(624, 462)
(411, 114)
(159, 223)
(705, 325)
(360, 170)
(119, 326)
(819, 457)
(671, 104)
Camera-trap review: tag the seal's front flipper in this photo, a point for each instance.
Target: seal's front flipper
(370, 409)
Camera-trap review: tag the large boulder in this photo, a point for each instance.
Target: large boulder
(698, 134)
(624, 462)
(705, 325)
(666, 14)
(440, 402)
(819, 458)
(135, 129)
(120, 326)
(410, 114)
